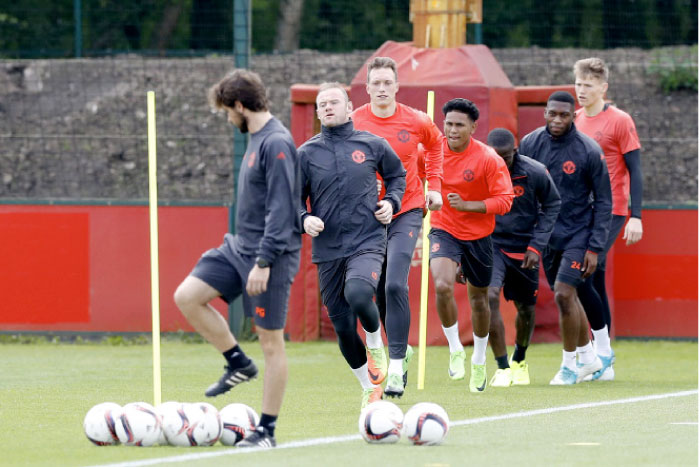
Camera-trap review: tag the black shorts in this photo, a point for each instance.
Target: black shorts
(563, 266)
(518, 284)
(475, 256)
(615, 227)
(332, 275)
(227, 272)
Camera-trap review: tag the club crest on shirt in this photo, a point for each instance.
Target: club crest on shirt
(598, 136)
(358, 156)
(403, 136)
(468, 175)
(435, 247)
(518, 190)
(569, 167)
(251, 159)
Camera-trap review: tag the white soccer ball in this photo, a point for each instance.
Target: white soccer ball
(138, 425)
(239, 421)
(162, 409)
(196, 424)
(380, 423)
(426, 423)
(99, 423)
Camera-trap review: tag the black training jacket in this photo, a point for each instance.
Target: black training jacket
(338, 176)
(535, 208)
(577, 165)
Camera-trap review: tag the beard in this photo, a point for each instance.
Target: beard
(243, 127)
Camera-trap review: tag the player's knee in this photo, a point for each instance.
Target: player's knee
(394, 288)
(494, 295)
(444, 287)
(358, 292)
(564, 298)
(184, 298)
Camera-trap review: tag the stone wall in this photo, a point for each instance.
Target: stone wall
(76, 129)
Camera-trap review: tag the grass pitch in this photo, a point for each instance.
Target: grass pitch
(46, 389)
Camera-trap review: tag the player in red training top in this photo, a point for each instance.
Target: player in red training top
(615, 132)
(405, 128)
(477, 186)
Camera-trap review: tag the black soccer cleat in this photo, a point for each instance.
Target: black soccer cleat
(232, 377)
(260, 438)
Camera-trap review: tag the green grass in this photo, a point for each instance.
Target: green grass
(46, 389)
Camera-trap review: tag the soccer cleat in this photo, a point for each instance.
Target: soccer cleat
(456, 368)
(406, 360)
(260, 438)
(584, 370)
(232, 377)
(371, 395)
(503, 378)
(607, 363)
(477, 381)
(564, 376)
(377, 365)
(394, 386)
(520, 373)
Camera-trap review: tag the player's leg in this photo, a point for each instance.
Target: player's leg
(445, 256)
(521, 287)
(477, 269)
(497, 330)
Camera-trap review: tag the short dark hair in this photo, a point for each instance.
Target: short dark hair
(500, 138)
(562, 96)
(240, 85)
(462, 105)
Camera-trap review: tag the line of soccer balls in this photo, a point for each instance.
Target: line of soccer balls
(383, 422)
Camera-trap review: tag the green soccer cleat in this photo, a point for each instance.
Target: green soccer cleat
(503, 378)
(456, 368)
(477, 381)
(520, 373)
(406, 360)
(377, 365)
(371, 395)
(394, 386)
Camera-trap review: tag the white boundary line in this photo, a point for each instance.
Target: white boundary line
(346, 438)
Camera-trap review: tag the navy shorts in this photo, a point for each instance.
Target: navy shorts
(227, 272)
(475, 256)
(563, 266)
(332, 275)
(518, 284)
(615, 227)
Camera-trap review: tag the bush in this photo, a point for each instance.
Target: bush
(676, 69)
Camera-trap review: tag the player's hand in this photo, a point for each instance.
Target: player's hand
(633, 231)
(385, 211)
(531, 260)
(456, 201)
(590, 263)
(257, 281)
(434, 200)
(459, 276)
(379, 187)
(313, 226)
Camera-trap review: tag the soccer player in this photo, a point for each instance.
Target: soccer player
(405, 128)
(577, 166)
(615, 132)
(348, 224)
(261, 260)
(477, 186)
(519, 239)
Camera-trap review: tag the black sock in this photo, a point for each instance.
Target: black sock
(519, 353)
(236, 358)
(502, 362)
(269, 422)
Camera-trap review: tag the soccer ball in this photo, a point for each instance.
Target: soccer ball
(99, 423)
(162, 409)
(239, 421)
(138, 425)
(197, 424)
(380, 423)
(426, 423)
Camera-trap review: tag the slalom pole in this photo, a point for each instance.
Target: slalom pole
(425, 269)
(153, 221)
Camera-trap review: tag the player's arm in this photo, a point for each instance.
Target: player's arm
(431, 140)
(312, 225)
(602, 211)
(394, 175)
(633, 229)
(549, 202)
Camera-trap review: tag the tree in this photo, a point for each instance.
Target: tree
(288, 25)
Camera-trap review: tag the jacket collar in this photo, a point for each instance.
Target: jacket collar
(565, 137)
(338, 132)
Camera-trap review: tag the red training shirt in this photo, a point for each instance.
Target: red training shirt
(476, 174)
(614, 130)
(405, 130)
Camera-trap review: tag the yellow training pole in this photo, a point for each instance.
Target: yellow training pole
(153, 220)
(425, 261)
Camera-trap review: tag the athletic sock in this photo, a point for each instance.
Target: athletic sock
(586, 354)
(268, 422)
(374, 339)
(236, 358)
(362, 376)
(396, 366)
(452, 334)
(479, 355)
(602, 342)
(502, 362)
(519, 353)
(569, 360)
